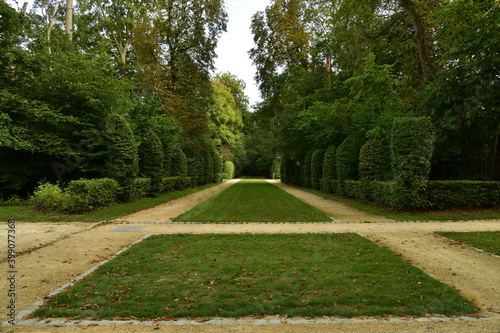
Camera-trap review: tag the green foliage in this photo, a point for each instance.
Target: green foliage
(151, 159)
(48, 197)
(373, 192)
(86, 195)
(372, 161)
(306, 169)
(142, 188)
(217, 161)
(122, 163)
(196, 169)
(347, 160)
(228, 171)
(411, 151)
(329, 169)
(276, 169)
(463, 194)
(317, 168)
(178, 160)
(169, 184)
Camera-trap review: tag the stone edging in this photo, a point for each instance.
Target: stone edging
(453, 241)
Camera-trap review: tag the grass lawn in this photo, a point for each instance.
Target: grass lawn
(29, 214)
(485, 240)
(253, 200)
(458, 214)
(306, 275)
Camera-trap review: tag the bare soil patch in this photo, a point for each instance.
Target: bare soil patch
(475, 274)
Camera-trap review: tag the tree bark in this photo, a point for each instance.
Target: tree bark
(69, 19)
(423, 52)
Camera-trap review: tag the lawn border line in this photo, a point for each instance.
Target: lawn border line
(455, 242)
(39, 246)
(38, 304)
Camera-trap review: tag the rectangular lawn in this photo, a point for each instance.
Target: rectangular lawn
(485, 240)
(306, 275)
(253, 200)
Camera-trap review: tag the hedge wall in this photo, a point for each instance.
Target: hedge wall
(306, 169)
(462, 194)
(329, 169)
(372, 160)
(228, 170)
(347, 160)
(317, 168)
(85, 195)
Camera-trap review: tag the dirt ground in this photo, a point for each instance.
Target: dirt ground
(475, 274)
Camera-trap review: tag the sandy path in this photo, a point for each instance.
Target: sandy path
(474, 274)
(337, 210)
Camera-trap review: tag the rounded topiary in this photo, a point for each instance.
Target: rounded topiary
(412, 145)
(151, 159)
(329, 169)
(229, 170)
(317, 168)
(217, 161)
(178, 162)
(306, 169)
(347, 160)
(372, 160)
(122, 163)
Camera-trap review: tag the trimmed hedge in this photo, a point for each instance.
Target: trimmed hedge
(317, 168)
(142, 188)
(347, 160)
(48, 197)
(306, 169)
(178, 160)
(85, 195)
(374, 192)
(411, 151)
(228, 172)
(450, 194)
(329, 169)
(371, 160)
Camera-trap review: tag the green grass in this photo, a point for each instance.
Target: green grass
(486, 240)
(253, 200)
(306, 275)
(448, 215)
(29, 214)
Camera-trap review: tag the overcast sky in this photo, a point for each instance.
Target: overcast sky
(234, 44)
(237, 41)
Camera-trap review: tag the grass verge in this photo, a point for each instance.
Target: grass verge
(253, 200)
(485, 240)
(448, 215)
(305, 275)
(29, 214)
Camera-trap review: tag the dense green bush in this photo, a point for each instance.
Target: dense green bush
(306, 169)
(48, 197)
(317, 168)
(142, 188)
(178, 160)
(452, 194)
(347, 160)
(329, 169)
(169, 184)
(196, 169)
(217, 165)
(411, 151)
(209, 167)
(151, 159)
(372, 160)
(374, 192)
(122, 162)
(228, 172)
(85, 195)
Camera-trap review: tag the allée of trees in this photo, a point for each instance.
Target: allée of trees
(116, 89)
(365, 99)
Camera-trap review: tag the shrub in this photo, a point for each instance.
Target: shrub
(411, 151)
(306, 169)
(452, 194)
(209, 167)
(142, 187)
(170, 184)
(48, 197)
(122, 163)
(372, 160)
(151, 159)
(228, 170)
(276, 168)
(85, 195)
(347, 160)
(317, 168)
(195, 169)
(329, 169)
(217, 165)
(178, 167)
(14, 200)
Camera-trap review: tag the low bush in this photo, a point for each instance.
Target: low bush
(14, 200)
(463, 194)
(48, 197)
(170, 184)
(142, 188)
(374, 192)
(228, 171)
(85, 195)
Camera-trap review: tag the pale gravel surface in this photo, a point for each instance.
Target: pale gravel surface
(475, 274)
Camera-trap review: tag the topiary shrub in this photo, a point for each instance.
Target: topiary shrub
(217, 165)
(276, 168)
(142, 187)
(209, 167)
(122, 162)
(48, 197)
(151, 160)
(170, 184)
(85, 195)
(452, 194)
(178, 167)
(329, 169)
(228, 170)
(306, 169)
(372, 160)
(347, 160)
(317, 168)
(195, 169)
(412, 145)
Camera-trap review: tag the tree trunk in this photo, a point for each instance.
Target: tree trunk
(69, 19)
(423, 52)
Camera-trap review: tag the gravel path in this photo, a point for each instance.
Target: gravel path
(475, 274)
